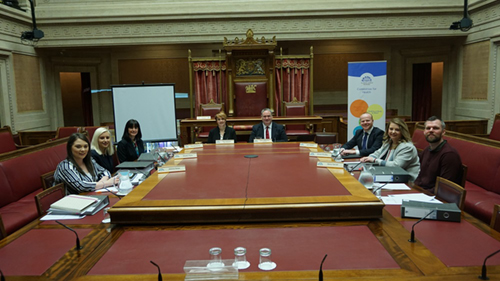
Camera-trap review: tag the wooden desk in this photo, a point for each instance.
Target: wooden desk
(190, 125)
(282, 184)
(375, 249)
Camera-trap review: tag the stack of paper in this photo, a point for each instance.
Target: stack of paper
(79, 204)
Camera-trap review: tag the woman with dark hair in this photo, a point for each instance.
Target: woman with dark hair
(79, 172)
(131, 145)
(397, 149)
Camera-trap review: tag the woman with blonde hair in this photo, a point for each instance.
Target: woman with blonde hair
(102, 149)
(222, 131)
(397, 149)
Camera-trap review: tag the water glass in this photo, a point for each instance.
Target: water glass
(366, 178)
(240, 259)
(265, 261)
(107, 218)
(215, 257)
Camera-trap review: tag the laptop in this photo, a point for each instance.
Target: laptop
(135, 164)
(148, 157)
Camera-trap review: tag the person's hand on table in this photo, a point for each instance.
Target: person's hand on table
(346, 152)
(367, 160)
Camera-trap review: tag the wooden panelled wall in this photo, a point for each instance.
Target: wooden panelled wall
(28, 86)
(330, 73)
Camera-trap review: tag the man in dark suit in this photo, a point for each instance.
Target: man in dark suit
(367, 140)
(268, 129)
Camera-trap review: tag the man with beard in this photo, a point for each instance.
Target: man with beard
(440, 159)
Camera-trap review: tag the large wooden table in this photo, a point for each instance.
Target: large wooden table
(189, 126)
(374, 249)
(221, 185)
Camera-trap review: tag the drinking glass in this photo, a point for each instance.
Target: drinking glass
(240, 259)
(366, 177)
(265, 262)
(215, 257)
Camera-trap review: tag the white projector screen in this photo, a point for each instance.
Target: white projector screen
(153, 106)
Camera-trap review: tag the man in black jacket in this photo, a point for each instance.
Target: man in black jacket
(367, 140)
(268, 129)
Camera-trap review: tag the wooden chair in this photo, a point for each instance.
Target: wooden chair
(464, 175)
(296, 108)
(3, 233)
(208, 109)
(63, 132)
(450, 192)
(7, 140)
(91, 130)
(47, 180)
(326, 138)
(45, 198)
(495, 130)
(495, 219)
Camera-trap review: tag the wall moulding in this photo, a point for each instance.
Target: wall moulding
(196, 31)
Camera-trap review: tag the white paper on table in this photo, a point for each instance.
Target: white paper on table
(50, 217)
(107, 189)
(391, 200)
(392, 186)
(413, 197)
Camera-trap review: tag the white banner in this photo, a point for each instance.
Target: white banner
(366, 92)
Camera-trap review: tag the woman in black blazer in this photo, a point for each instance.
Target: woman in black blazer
(222, 131)
(131, 145)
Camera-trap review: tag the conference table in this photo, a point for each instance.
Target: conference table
(374, 248)
(221, 184)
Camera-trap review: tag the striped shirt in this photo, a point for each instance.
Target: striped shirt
(76, 182)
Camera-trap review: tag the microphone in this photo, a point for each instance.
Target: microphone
(321, 268)
(352, 169)
(114, 193)
(78, 247)
(483, 270)
(2, 278)
(159, 272)
(412, 237)
(375, 190)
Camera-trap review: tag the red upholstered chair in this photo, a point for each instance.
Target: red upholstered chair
(495, 219)
(495, 130)
(91, 130)
(45, 198)
(6, 140)
(63, 132)
(296, 108)
(326, 138)
(3, 233)
(450, 192)
(208, 109)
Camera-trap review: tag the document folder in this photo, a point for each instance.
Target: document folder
(442, 212)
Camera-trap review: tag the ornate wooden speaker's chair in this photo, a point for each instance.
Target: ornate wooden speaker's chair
(208, 109)
(296, 108)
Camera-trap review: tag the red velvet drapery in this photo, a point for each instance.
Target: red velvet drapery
(296, 81)
(209, 83)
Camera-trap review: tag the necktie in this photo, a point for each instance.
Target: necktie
(267, 132)
(365, 138)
